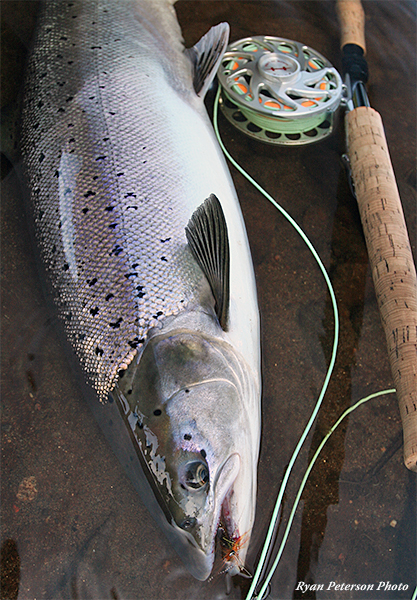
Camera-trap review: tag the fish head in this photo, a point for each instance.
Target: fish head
(197, 446)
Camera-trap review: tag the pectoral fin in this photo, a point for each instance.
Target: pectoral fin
(206, 56)
(209, 243)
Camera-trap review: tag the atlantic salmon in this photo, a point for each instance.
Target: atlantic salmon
(146, 254)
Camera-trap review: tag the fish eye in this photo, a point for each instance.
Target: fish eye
(196, 475)
(188, 523)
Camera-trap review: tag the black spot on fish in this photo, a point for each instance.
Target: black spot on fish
(136, 342)
(92, 281)
(99, 351)
(157, 412)
(53, 249)
(121, 373)
(66, 267)
(70, 62)
(109, 208)
(40, 104)
(63, 37)
(106, 139)
(109, 296)
(101, 157)
(164, 259)
(141, 294)
(165, 240)
(70, 125)
(61, 110)
(117, 250)
(111, 113)
(89, 193)
(113, 226)
(91, 97)
(203, 453)
(127, 275)
(187, 391)
(71, 140)
(94, 311)
(85, 210)
(70, 98)
(158, 314)
(187, 436)
(59, 56)
(119, 174)
(135, 265)
(130, 195)
(116, 325)
(56, 174)
(95, 177)
(41, 157)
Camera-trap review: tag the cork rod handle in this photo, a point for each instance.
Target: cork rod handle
(352, 23)
(391, 259)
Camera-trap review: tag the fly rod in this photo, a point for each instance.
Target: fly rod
(388, 245)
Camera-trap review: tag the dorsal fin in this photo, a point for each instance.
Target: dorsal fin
(209, 243)
(206, 56)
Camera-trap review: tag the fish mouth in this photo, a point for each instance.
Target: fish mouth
(198, 554)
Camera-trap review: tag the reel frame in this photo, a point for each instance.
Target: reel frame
(279, 91)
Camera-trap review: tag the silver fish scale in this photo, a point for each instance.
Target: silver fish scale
(110, 229)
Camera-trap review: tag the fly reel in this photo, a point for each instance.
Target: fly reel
(279, 91)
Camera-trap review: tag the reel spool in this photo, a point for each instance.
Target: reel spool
(279, 91)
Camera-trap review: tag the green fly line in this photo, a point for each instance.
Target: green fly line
(279, 124)
(309, 425)
(303, 483)
(250, 595)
